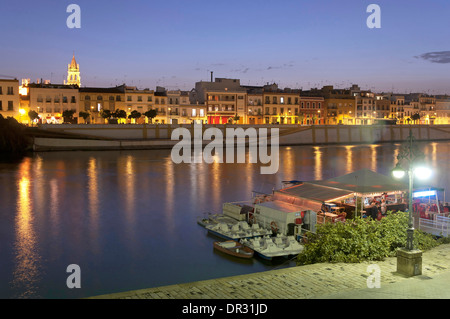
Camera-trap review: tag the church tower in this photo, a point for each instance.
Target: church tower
(73, 73)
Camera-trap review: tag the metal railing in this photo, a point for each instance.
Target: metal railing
(439, 226)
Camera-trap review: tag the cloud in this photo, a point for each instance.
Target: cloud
(436, 57)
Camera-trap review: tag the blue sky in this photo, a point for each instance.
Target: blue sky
(297, 44)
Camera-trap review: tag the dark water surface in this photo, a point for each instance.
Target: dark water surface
(128, 219)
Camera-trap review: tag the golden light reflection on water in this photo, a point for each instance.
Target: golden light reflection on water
(373, 163)
(318, 174)
(349, 159)
(93, 202)
(27, 259)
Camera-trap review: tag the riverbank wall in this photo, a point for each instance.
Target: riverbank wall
(147, 136)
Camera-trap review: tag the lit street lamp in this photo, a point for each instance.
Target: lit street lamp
(410, 161)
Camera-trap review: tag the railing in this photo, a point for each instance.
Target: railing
(439, 226)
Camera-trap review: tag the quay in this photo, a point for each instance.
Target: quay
(76, 137)
(317, 281)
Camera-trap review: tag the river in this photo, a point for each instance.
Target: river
(128, 219)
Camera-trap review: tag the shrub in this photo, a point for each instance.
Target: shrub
(359, 240)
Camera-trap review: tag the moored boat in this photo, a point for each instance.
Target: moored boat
(271, 247)
(234, 248)
(213, 219)
(235, 231)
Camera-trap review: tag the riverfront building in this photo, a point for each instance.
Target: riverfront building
(9, 98)
(218, 101)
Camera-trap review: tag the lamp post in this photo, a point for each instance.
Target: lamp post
(409, 260)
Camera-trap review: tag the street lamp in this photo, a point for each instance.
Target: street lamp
(410, 162)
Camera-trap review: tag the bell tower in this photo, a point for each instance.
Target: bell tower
(73, 73)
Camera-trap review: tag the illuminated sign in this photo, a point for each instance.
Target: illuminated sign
(424, 193)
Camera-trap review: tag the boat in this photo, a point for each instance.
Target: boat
(234, 248)
(213, 219)
(236, 231)
(268, 247)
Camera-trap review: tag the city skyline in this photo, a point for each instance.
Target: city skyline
(174, 44)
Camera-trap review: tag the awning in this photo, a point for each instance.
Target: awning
(364, 182)
(312, 195)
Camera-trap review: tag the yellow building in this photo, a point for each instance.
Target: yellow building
(9, 98)
(339, 110)
(51, 100)
(93, 100)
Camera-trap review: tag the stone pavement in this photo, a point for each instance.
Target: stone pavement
(318, 281)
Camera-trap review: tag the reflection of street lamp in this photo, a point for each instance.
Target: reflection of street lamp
(409, 261)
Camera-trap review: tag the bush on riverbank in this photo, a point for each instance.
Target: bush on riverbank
(13, 140)
(359, 240)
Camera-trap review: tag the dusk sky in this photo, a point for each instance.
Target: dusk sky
(297, 44)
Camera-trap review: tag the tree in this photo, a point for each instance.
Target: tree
(84, 115)
(150, 114)
(415, 117)
(105, 114)
(135, 115)
(33, 115)
(120, 114)
(68, 115)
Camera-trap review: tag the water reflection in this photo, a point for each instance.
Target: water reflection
(118, 212)
(27, 259)
(93, 202)
(318, 175)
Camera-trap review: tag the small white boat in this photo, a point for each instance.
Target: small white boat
(236, 230)
(270, 247)
(213, 219)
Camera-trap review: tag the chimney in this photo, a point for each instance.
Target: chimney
(212, 76)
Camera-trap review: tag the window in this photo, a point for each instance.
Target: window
(129, 98)
(72, 99)
(202, 112)
(281, 100)
(111, 98)
(139, 98)
(194, 112)
(87, 98)
(99, 98)
(48, 99)
(118, 98)
(64, 99)
(10, 90)
(149, 99)
(1, 90)
(1, 107)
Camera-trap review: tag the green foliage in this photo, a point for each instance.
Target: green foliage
(84, 115)
(150, 114)
(13, 137)
(359, 240)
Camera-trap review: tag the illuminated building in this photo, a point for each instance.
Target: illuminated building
(9, 98)
(73, 73)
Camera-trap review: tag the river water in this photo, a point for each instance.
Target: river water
(128, 219)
